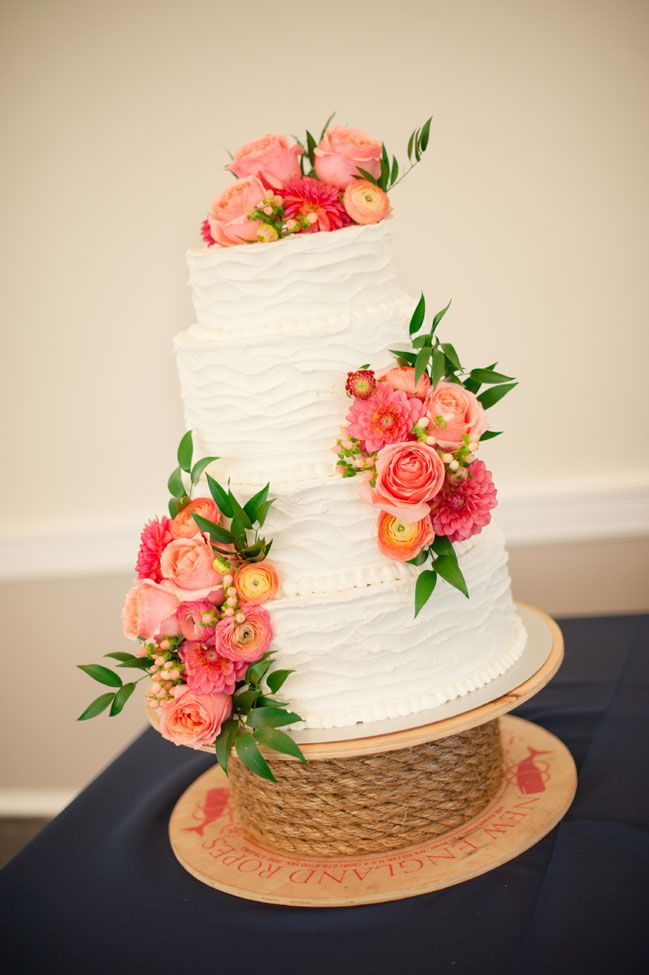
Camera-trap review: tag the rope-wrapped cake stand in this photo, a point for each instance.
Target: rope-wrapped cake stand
(391, 814)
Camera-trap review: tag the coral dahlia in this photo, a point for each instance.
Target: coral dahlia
(208, 673)
(318, 202)
(387, 417)
(155, 537)
(206, 233)
(463, 509)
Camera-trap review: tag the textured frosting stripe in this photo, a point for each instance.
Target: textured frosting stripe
(293, 279)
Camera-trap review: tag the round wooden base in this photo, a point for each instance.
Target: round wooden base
(539, 784)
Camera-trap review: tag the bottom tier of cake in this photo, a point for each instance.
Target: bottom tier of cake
(360, 655)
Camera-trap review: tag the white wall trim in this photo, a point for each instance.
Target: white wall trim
(545, 514)
(34, 803)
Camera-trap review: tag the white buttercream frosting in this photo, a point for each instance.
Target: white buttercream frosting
(262, 381)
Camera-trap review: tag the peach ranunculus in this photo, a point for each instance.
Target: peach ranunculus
(454, 413)
(273, 157)
(403, 377)
(186, 564)
(184, 526)
(400, 540)
(228, 216)
(364, 202)
(247, 641)
(342, 151)
(149, 611)
(193, 719)
(408, 475)
(256, 583)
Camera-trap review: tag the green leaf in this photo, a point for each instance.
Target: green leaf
(407, 357)
(238, 512)
(270, 702)
(472, 386)
(101, 674)
(439, 366)
(438, 317)
(489, 376)
(220, 496)
(491, 396)
(185, 452)
(175, 484)
(244, 699)
(416, 148)
(426, 581)
(256, 671)
(385, 169)
(224, 742)
(420, 558)
(394, 175)
(418, 316)
(326, 125)
(120, 655)
(451, 355)
(276, 679)
(262, 511)
(271, 718)
(310, 147)
(411, 142)
(442, 546)
(216, 532)
(98, 705)
(365, 175)
(251, 757)
(129, 660)
(447, 567)
(490, 434)
(121, 698)
(251, 506)
(199, 468)
(421, 362)
(238, 535)
(279, 741)
(174, 507)
(425, 132)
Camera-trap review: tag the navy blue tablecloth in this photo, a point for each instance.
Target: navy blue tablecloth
(99, 891)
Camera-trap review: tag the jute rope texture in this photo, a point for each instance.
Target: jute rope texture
(373, 803)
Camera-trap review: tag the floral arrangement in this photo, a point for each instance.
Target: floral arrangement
(197, 612)
(413, 435)
(284, 188)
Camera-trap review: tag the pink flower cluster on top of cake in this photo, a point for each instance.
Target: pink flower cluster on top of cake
(284, 187)
(412, 433)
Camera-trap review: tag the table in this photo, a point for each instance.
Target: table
(99, 891)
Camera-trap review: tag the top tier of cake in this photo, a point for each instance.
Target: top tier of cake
(296, 279)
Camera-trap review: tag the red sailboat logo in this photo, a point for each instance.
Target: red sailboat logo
(211, 808)
(529, 774)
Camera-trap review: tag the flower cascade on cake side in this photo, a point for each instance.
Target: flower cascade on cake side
(197, 610)
(412, 433)
(302, 187)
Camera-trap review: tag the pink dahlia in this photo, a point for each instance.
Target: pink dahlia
(206, 233)
(208, 673)
(155, 537)
(387, 417)
(304, 196)
(463, 509)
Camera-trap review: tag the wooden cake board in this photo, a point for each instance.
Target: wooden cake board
(538, 787)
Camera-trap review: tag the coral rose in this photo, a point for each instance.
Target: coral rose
(364, 202)
(228, 216)
(342, 151)
(454, 413)
(184, 526)
(272, 157)
(256, 583)
(197, 619)
(186, 564)
(402, 541)
(246, 641)
(408, 475)
(149, 611)
(193, 719)
(403, 377)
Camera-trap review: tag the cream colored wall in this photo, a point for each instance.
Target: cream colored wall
(530, 210)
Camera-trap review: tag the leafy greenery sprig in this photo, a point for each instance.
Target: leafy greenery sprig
(389, 176)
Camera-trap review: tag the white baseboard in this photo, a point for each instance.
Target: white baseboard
(34, 803)
(546, 514)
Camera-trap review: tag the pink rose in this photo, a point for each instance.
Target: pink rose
(228, 216)
(271, 157)
(454, 413)
(193, 719)
(403, 377)
(149, 611)
(246, 641)
(197, 619)
(364, 202)
(342, 151)
(408, 475)
(184, 526)
(186, 564)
